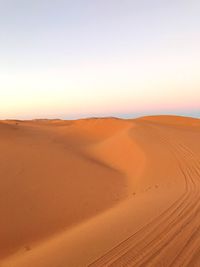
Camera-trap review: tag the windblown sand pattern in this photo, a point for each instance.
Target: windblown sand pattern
(100, 192)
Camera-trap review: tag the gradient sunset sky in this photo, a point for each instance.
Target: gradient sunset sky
(78, 58)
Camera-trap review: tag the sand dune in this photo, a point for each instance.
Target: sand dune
(100, 192)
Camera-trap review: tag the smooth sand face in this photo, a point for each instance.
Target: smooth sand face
(100, 192)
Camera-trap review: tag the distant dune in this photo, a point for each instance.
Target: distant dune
(100, 192)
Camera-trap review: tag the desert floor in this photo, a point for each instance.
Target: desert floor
(100, 192)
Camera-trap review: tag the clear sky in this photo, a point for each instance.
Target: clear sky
(77, 58)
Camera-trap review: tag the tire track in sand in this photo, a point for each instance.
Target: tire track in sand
(151, 244)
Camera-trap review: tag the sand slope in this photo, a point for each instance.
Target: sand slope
(100, 192)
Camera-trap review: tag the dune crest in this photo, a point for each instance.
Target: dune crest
(100, 192)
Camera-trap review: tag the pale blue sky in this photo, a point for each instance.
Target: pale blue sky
(71, 59)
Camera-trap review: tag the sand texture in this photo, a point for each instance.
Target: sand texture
(100, 192)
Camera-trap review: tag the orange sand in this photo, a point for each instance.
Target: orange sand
(100, 192)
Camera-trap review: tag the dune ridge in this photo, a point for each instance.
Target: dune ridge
(100, 192)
